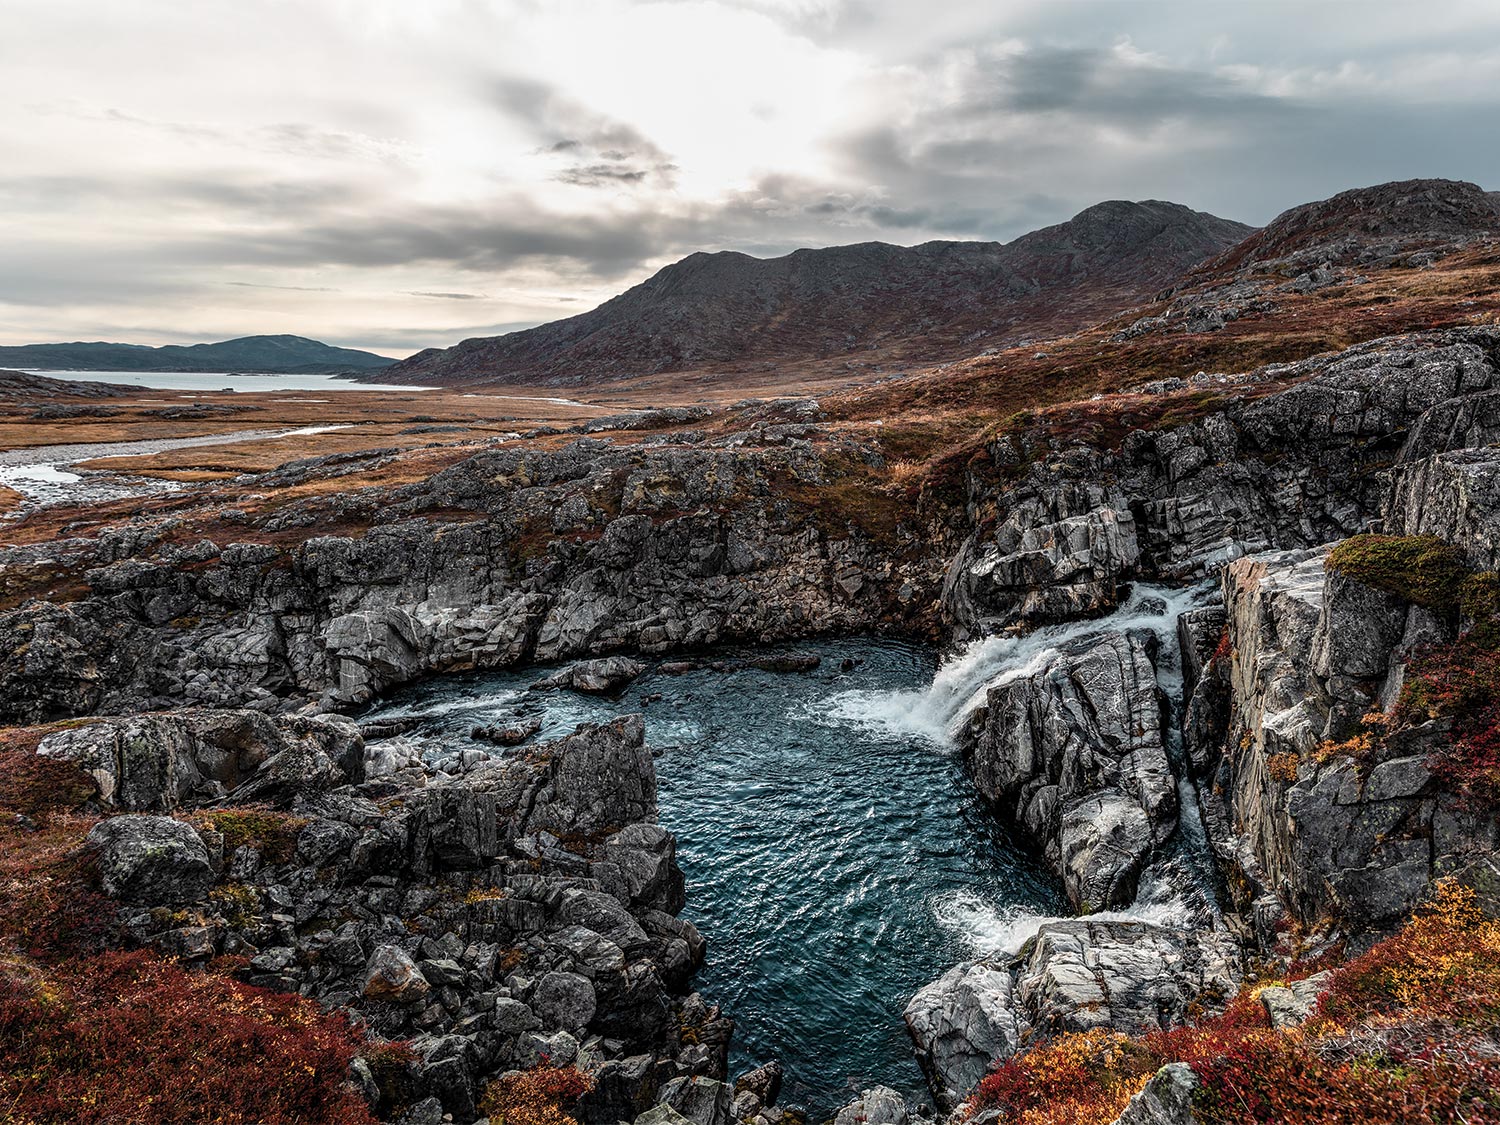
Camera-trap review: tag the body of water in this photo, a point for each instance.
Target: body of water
(221, 381)
(42, 474)
(837, 856)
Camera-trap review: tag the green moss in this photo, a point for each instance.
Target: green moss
(273, 834)
(1423, 569)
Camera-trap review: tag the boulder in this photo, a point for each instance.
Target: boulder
(703, 1101)
(1074, 755)
(1292, 1004)
(564, 1000)
(963, 1024)
(392, 975)
(597, 677)
(879, 1105)
(1125, 976)
(1166, 1100)
(151, 860)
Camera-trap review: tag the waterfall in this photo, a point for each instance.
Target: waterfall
(937, 713)
(1177, 888)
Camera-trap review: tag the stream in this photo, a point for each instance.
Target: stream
(837, 857)
(43, 474)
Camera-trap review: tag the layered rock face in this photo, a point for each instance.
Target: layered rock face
(1320, 832)
(1074, 756)
(524, 910)
(585, 550)
(1297, 458)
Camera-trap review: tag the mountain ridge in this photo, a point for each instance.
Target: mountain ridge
(265, 354)
(870, 301)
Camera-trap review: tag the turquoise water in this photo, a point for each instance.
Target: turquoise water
(836, 857)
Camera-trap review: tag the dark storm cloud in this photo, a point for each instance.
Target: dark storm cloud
(482, 239)
(1110, 86)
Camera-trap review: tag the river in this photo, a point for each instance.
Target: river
(837, 857)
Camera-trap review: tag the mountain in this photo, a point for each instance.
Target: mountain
(1370, 225)
(268, 354)
(870, 302)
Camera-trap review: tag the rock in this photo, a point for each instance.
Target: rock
(392, 975)
(662, 1115)
(962, 1025)
(1125, 976)
(1059, 553)
(1074, 755)
(1292, 1004)
(509, 734)
(180, 759)
(151, 860)
(1166, 1100)
(703, 1101)
(607, 674)
(764, 1082)
(428, 1111)
(879, 1105)
(564, 1000)
(601, 778)
(623, 1089)
(1328, 837)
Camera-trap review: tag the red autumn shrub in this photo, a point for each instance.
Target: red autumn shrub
(126, 1037)
(544, 1095)
(1461, 682)
(46, 881)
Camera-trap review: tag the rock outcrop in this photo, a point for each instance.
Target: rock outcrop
(1294, 455)
(1075, 976)
(1307, 827)
(523, 911)
(506, 557)
(1074, 755)
(963, 1024)
(1127, 976)
(161, 762)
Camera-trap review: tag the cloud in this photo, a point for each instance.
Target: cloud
(288, 288)
(597, 150)
(404, 161)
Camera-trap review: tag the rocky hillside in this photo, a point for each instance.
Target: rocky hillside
(1367, 226)
(926, 302)
(282, 355)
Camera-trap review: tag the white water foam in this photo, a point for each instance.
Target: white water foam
(1170, 893)
(987, 930)
(961, 683)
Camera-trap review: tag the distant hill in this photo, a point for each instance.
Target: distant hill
(867, 302)
(279, 355)
(1370, 225)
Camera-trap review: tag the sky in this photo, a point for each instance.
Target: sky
(396, 174)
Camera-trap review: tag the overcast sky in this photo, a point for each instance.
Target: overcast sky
(395, 174)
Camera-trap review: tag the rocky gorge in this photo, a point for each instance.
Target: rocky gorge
(1197, 632)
